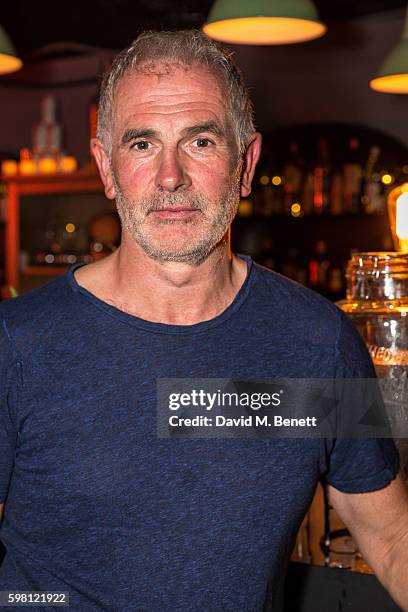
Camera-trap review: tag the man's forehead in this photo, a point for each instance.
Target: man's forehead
(173, 74)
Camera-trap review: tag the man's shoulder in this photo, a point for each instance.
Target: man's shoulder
(297, 316)
(286, 295)
(36, 309)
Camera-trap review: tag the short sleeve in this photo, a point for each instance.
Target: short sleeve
(8, 431)
(356, 465)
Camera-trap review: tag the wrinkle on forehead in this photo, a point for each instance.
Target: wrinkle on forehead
(163, 67)
(142, 92)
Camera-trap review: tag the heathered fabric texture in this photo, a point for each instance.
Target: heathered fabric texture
(98, 506)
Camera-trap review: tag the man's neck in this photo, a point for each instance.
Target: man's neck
(165, 292)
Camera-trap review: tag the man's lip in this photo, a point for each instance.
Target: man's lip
(174, 209)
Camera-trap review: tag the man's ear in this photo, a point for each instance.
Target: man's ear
(102, 161)
(250, 160)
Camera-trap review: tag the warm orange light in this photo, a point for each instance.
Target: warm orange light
(296, 210)
(398, 216)
(395, 83)
(276, 180)
(70, 228)
(245, 208)
(68, 163)
(9, 63)
(27, 167)
(9, 167)
(264, 180)
(47, 165)
(264, 30)
(387, 179)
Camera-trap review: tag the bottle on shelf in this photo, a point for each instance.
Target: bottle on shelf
(292, 178)
(322, 178)
(335, 283)
(47, 136)
(307, 193)
(336, 194)
(374, 198)
(268, 197)
(319, 266)
(245, 207)
(353, 175)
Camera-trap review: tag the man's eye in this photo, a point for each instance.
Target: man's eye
(203, 142)
(141, 145)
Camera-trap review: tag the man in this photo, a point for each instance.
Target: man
(95, 503)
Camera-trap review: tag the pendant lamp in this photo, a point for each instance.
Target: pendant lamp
(392, 77)
(263, 22)
(9, 62)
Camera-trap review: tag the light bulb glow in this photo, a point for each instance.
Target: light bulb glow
(395, 83)
(296, 210)
(9, 63)
(397, 202)
(264, 30)
(387, 179)
(401, 228)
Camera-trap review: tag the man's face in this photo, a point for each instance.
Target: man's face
(174, 166)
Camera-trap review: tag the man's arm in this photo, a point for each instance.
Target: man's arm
(378, 522)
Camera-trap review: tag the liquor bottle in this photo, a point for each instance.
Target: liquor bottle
(319, 266)
(307, 193)
(322, 178)
(292, 178)
(335, 283)
(269, 196)
(374, 199)
(47, 135)
(336, 196)
(353, 174)
(245, 207)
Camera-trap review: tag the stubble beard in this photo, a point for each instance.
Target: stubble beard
(209, 226)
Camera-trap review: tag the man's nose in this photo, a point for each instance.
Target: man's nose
(171, 174)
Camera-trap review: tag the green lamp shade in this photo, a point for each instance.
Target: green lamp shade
(393, 74)
(263, 22)
(9, 62)
(392, 77)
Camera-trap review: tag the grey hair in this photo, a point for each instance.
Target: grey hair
(186, 47)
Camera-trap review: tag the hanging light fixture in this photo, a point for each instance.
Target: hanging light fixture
(264, 22)
(392, 77)
(9, 62)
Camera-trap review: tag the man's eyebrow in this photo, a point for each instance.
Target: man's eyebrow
(210, 126)
(133, 133)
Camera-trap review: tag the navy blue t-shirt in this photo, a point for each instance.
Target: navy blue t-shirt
(97, 505)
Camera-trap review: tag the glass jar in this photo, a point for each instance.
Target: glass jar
(377, 302)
